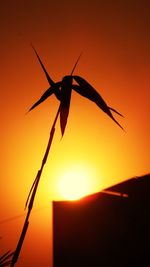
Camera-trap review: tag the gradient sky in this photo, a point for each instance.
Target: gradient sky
(115, 40)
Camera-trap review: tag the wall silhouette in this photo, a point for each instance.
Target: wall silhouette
(104, 229)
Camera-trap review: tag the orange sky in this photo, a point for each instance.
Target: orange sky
(114, 36)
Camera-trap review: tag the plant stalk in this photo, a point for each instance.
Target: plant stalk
(33, 191)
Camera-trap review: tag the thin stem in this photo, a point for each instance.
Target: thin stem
(33, 193)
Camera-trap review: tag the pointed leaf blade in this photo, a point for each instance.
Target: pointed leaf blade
(43, 67)
(46, 94)
(65, 102)
(86, 90)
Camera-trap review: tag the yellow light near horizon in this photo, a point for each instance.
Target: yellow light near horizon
(74, 183)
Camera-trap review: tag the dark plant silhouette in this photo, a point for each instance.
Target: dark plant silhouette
(62, 90)
(32, 193)
(86, 90)
(5, 259)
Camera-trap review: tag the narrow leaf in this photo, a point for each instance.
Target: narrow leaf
(44, 69)
(54, 89)
(66, 90)
(86, 90)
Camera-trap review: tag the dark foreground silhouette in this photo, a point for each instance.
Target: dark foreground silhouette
(63, 90)
(110, 228)
(5, 259)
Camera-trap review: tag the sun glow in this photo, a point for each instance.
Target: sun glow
(74, 183)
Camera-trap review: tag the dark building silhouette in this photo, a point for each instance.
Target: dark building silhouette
(109, 228)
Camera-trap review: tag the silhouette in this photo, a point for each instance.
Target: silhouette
(32, 193)
(5, 259)
(86, 90)
(63, 89)
(66, 90)
(53, 89)
(108, 228)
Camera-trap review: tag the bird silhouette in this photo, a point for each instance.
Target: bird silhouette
(86, 90)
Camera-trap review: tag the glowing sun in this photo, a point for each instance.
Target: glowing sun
(74, 183)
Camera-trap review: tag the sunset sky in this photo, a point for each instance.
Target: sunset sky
(115, 40)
